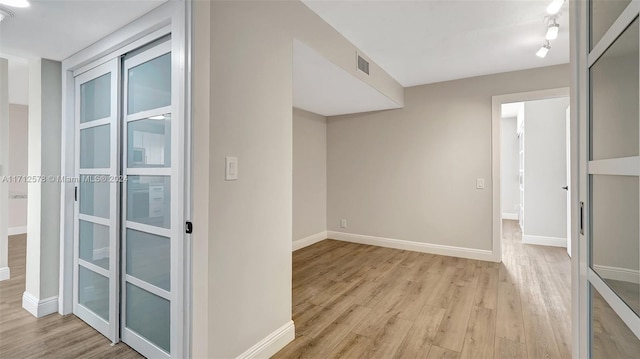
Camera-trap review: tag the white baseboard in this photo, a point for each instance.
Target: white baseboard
(5, 273)
(470, 253)
(544, 241)
(17, 230)
(512, 216)
(617, 273)
(39, 308)
(272, 344)
(307, 241)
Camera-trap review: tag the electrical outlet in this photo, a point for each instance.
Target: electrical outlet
(343, 223)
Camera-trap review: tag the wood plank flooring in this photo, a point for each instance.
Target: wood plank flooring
(53, 336)
(358, 301)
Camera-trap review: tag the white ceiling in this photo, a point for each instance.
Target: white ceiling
(426, 41)
(324, 88)
(57, 29)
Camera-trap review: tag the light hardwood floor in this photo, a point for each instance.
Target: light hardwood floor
(54, 336)
(358, 301)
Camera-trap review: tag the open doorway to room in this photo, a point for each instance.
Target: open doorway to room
(532, 223)
(534, 176)
(14, 163)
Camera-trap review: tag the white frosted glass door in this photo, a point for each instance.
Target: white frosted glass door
(96, 247)
(150, 234)
(610, 276)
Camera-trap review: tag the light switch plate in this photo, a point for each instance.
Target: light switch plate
(480, 183)
(231, 168)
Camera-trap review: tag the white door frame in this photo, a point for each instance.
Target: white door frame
(173, 17)
(496, 117)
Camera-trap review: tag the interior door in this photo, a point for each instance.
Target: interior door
(96, 247)
(151, 234)
(610, 186)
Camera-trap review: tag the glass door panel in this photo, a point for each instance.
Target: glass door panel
(148, 231)
(614, 99)
(610, 336)
(615, 248)
(96, 211)
(612, 272)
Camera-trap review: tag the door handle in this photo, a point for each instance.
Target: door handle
(566, 188)
(582, 218)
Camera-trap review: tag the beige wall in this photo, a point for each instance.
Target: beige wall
(18, 146)
(43, 217)
(248, 233)
(309, 174)
(410, 174)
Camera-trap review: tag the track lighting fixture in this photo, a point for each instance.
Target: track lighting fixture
(544, 50)
(552, 31)
(5, 14)
(555, 7)
(15, 3)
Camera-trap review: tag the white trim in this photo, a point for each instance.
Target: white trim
(5, 273)
(151, 288)
(13, 231)
(580, 327)
(272, 343)
(39, 308)
(544, 241)
(93, 219)
(307, 241)
(461, 252)
(511, 216)
(625, 166)
(94, 268)
(496, 119)
(617, 273)
(98, 122)
(146, 114)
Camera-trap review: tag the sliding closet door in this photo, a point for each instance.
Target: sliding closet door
(152, 230)
(611, 221)
(96, 247)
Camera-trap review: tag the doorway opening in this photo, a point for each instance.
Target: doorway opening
(532, 172)
(535, 162)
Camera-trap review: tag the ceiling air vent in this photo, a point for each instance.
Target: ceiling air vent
(363, 65)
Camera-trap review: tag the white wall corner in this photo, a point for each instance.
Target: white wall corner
(461, 252)
(13, 231)
(5, 273)
(39, 308)
(617, 273)
(544, 241)
(512, 216)
(272, 344)
(307, 241)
